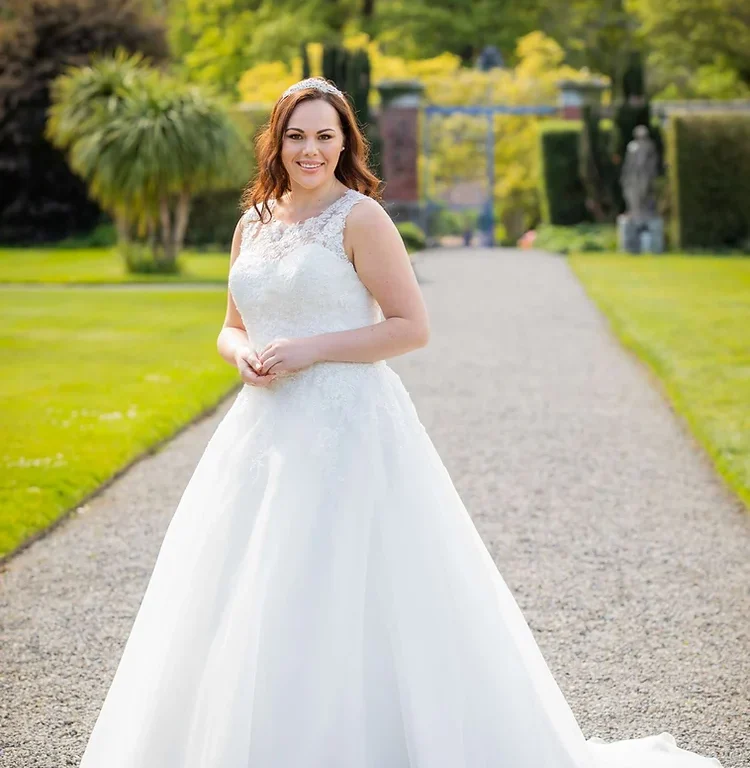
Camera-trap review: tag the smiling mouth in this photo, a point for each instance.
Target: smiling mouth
(309, 166)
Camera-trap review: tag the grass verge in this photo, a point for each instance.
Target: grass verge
(688, 318)
(101, 265)
(90, 380)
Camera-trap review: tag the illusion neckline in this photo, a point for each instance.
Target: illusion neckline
(289, 225)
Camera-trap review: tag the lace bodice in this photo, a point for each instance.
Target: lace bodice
(292, 280)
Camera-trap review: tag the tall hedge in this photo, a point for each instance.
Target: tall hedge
(561, 192)
(709, 166)
(562, 195)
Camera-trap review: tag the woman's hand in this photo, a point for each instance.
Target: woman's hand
(287, 355)
(249, 366)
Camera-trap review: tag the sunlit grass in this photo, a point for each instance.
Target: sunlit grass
(688, 317)
(90, 379)
(101, 265)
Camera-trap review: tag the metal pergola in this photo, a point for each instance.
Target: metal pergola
(477, 111)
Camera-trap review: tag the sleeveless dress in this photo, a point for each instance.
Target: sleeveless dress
(321, 598)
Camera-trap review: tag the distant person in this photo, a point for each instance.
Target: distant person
(485, 224)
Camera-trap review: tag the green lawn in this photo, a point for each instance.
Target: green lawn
(100, 265)
(90, 379)
(688, 317)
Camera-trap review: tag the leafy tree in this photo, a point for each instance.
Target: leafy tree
(215, 41)
(39, 196)
(146, 144)
(424, 29)
(597, 34)
(698, 47)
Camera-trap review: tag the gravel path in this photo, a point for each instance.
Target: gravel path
(629, 558)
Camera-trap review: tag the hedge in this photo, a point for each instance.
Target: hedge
(561, 193)
(709, 166)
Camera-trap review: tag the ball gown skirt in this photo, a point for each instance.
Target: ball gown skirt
(322, 598)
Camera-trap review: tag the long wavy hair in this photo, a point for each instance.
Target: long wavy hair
(272, 180)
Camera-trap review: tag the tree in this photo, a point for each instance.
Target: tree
(215, 41)
(423, 29)
(597, 34)
(145, 144)
(40, 198)
(698, 47)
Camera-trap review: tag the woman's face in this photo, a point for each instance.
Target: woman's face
(312, 144)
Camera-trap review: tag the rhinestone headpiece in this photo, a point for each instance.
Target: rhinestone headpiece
(313, 82)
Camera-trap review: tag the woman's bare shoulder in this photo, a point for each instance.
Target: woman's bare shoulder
(367, 213)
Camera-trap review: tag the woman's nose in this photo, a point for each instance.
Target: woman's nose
(311, 146)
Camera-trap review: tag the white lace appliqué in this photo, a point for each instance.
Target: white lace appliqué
(274, 239)
(295, 280)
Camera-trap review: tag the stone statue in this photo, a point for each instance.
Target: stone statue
(640, 168)
(640, 229)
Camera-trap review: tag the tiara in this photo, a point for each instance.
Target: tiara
(313, 82)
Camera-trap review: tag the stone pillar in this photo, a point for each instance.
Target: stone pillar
(575, 94)
(398, 123)
(645, 236)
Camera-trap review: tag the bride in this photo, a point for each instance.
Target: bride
(321, 598)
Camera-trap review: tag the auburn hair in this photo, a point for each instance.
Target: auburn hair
(272, 180)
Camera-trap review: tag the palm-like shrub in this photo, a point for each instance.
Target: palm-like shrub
(146, 144)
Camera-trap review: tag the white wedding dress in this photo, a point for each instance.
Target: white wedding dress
(321, 598)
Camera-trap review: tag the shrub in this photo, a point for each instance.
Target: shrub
(213, 218)
(139, 259)
(102, 236)
(709, 166)
(412, 235)
(442, 220)
(578, 239)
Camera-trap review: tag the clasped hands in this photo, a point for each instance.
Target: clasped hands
(278, 358)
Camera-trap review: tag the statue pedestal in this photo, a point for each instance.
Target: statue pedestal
(645, 236)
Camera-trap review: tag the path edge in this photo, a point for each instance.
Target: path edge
(701, 447)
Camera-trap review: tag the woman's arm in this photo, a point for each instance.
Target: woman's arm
(383, 265)
(233, 333)
(233, 343)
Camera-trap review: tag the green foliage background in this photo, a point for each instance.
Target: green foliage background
(696, 48)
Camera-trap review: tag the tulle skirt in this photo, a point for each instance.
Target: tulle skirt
(322, 599)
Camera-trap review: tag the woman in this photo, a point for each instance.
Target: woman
(321, 598)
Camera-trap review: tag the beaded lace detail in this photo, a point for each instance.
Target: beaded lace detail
(295, 280)
(276, 238)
